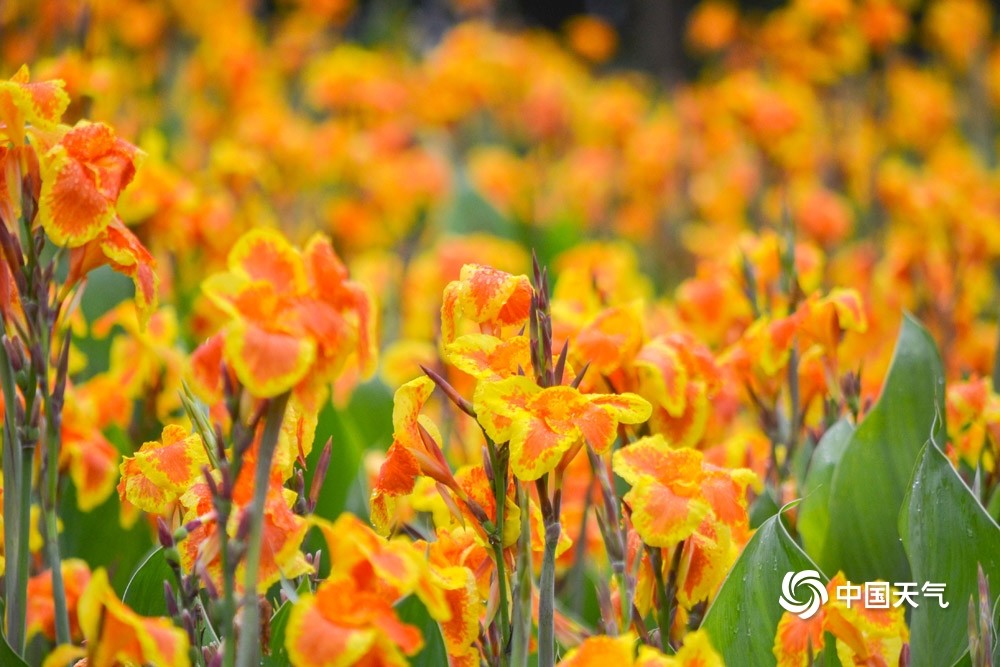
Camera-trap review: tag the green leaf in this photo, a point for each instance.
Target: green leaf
(946, 533)
(144, 591)
(763, 508)
(8, 657)
(279, 623)
(412, 611)
(873, 475)
(279, 654)
(743, 619)
(814, 510)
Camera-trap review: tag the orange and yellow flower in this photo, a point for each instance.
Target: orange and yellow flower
(543, 425)
(294, 317)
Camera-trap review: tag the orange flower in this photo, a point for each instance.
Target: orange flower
(41, 607)
(116, 246)
(678, 375)
(713, 25)
(92, 460)
(160, 472)
(283, 529)
(592, 37)
(343, 624)
(40, 104)
(871, 637)
(351, 620)
(491, 298)
(83, 174)
(487, 357)
(294, 316)
(117, 635)
(602, 651)
(409, 456)
(283, 532)
(974, 421)
(673, 491)
(544, 425)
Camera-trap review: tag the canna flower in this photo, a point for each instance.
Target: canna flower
(545, 425)
(92, 461)
(973, 411)
(39, 104)
(144, 361)
(486, 296)
(489, 358)
(83, 173)
(118, 247)
(679, 377)
(591, 37)
(282, 536)
(157, 475)
(294, 317)
(41, 607)
(673, 491)
(601, 651)
(351, 619)
(410, 455)
(864, 636)
(114, 634)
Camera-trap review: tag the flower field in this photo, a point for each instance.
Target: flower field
(396, 334)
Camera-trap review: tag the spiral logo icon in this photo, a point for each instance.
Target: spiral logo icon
(807, 582)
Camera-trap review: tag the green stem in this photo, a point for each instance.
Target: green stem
(15, 604)
(23, 551)
(499, 462)
(547, 579)
(228, 587)
(521, 619)
(17, 509)
(666, 592)
(53, 438)
(248, 654)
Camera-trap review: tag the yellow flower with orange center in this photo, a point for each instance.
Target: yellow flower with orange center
(544, 425)
(83, 173)
(295, 318)
(156, 476)
(864, 636)
(114, 634)
(486, 296)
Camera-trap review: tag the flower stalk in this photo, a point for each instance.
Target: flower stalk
(248, 653)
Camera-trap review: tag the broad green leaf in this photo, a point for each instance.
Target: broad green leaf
(814, 510)
(946, 533)
(8, 657)
(763, 508)
(412, 611)
(874, 472)
(743, 619)
(144, 591)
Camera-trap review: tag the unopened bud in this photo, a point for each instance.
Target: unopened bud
(163, 533)
(168, 595)
(15, 352)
